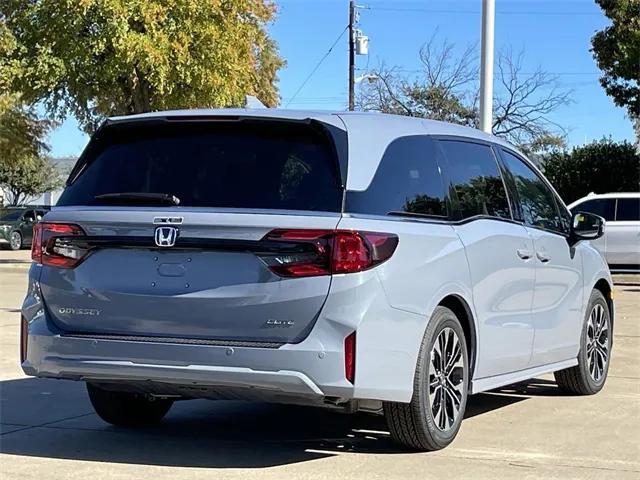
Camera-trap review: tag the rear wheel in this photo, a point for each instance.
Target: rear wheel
(589, 376)
(432, 419)
(126, 409)
(15, 241)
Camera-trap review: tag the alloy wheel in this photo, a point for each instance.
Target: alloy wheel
(597, 342)
(15, 240)
(446, 379)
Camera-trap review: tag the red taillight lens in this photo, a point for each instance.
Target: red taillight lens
(51, 245)
(323, 252)
(24, 339)
(350, 253)
(350, 357)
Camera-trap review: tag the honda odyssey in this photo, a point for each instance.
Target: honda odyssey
(362, 262)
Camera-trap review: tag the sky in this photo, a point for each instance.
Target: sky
(552, 34)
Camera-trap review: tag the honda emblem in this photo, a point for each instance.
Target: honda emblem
(166, 236)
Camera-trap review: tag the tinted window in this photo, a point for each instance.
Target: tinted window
(30, 215)
(604, 207)
(11, 215)
(264, 165)
(474, 175)
(407, 180)
(537, 201)
(628, 209)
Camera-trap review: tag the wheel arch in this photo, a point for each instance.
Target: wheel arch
(604, 287)
(461, 308)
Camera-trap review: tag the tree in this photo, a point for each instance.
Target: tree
(446, 88)
(601, 167)
(28, 178)
(24, 170)
(97, 58)
(616, 49)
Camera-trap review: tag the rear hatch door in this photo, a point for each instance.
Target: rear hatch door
(175, 216)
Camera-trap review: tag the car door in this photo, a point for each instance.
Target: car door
(26, 226)
(623, 234)
(606, 208)
(499, 255)
(557, 300)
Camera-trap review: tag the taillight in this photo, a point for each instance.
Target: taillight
(52, 246)
(350, 357)
(307, 252)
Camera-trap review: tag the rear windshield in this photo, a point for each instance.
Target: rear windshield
(261, 165)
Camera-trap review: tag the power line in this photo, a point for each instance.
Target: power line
(417, 70)
(475, 12)
(317, 66)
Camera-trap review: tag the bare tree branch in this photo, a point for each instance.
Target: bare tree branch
(446, 88)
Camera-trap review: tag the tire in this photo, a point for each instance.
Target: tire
(125, 409)
(15, 241)
(590, 375)
(414, 425)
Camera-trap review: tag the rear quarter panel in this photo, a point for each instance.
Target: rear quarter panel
(428, 264)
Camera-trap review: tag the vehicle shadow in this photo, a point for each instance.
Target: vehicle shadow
(53, 419)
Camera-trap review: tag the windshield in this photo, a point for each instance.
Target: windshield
(10, 215)
(261, 165)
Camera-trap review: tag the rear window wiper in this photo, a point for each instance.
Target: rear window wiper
(137, 198)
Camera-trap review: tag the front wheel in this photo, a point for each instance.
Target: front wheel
(589, 375)
(432, 419)
(125, 409)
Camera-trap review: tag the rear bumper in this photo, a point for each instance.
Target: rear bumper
(310, 371)
(289, 370)
(114, 371)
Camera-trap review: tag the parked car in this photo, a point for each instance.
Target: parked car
(16, 225)
(355, 261)
(620, 245)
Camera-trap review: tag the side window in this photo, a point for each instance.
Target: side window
(605, 207)
(29, 216)
(474, 176)
(628, 210)
(537, 201)
(407, 181)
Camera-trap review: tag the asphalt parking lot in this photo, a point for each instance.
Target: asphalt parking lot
(531, 430)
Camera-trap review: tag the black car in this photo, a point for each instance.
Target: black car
(16, 225)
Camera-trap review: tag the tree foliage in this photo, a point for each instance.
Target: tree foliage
(446, 88)
(96, 58)
(616, 49)
(28, 178)
(25, 171)
(601, 167)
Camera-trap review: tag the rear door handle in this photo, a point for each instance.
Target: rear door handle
(543, 257)
(524, 254)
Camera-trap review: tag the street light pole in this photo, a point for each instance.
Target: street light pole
(486, 66)
(352, 55)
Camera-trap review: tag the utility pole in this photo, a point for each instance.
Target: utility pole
(486, 66)
(352, 55)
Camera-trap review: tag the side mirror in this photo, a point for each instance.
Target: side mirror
(586, 226)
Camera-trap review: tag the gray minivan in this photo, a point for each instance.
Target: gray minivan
(361, 262)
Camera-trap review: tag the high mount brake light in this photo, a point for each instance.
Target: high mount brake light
(323, 252)
(51, 246)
